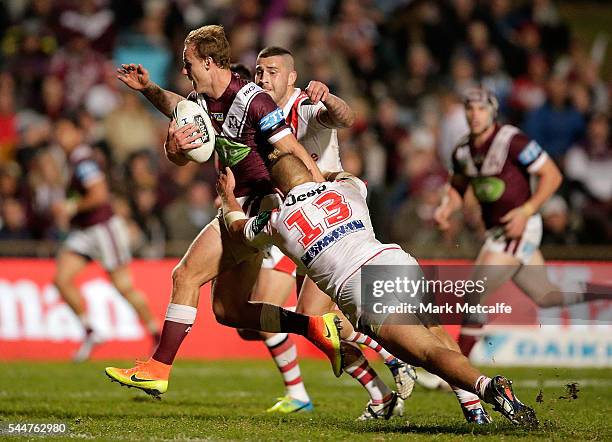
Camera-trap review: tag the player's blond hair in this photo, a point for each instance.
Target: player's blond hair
(210, 41)
(288, 171)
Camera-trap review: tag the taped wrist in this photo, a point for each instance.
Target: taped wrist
(233, 216)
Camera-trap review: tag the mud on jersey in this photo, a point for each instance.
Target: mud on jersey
(498, 171)
(247, 123)
(323, 227)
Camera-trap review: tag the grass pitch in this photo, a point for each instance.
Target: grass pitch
(226, 401)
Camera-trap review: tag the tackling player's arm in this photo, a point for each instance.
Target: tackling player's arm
(256, 230)
(233, 215)
(137, 78)
(537, 163)
(337, 113)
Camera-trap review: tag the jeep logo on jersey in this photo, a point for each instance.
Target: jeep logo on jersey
(488, 189)
(199, 120)
(291, 199)
(233, 122)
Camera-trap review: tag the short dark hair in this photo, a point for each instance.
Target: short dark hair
(242, 70)
(272, 51)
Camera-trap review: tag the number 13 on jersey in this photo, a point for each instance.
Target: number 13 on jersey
(335, 209)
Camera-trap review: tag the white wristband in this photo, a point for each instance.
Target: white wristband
(230, 217)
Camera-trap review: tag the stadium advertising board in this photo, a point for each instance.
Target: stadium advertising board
(36, 324)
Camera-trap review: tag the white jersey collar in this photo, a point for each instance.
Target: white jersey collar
(287, 108)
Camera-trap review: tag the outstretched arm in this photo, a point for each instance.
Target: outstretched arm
(337, 113)
(137, 78)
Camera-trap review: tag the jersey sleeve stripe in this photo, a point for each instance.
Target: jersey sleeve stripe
(538, 163)
(282, 134)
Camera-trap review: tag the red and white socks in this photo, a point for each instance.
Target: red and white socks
(361, 371)
(360, 338)
(284, 352)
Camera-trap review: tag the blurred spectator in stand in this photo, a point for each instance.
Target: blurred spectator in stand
(556, 223)
(147, 44)
(477, 44)
(34, 135)
(130, 127)
(463, 74)
(52, 97)
(494, 78)
(91, 20)
(46, 188)
(103, 98)
(589, 165)
(140, 170)
(390, 132)
(79, 68)
(319, 54)
(529, 91)
(152, 242)
(412, 88)
(556, 125)
(453, 125)
(10, 181)
(356, 35)
(186, 216)
(13, 221)
(8, 118)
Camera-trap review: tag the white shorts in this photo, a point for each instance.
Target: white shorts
(522, 248)
(107, 242)
(274, 259)
(349, 298)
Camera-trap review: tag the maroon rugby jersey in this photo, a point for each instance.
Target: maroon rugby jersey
(85, 171)
(498, 171)
(247, 122)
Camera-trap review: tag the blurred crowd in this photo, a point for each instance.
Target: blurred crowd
(401, 65)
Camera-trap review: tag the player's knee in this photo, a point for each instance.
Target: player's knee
(225, 315)
(250, 335)
(182, 275)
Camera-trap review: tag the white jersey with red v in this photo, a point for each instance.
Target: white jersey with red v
(324, 227)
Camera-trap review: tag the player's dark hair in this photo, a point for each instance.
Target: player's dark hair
(272, 51)
(242, 70)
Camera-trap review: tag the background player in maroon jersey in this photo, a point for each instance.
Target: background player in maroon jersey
(96, 233)
(498, 163)
(249, 127)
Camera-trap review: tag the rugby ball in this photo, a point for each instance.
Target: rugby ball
(186, 112)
